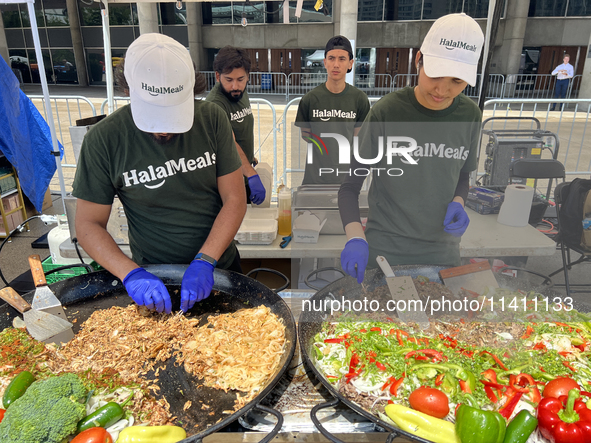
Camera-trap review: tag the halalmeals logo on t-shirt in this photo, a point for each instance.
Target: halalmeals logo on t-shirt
(451, 44)
(238, 116)
(158, 174)
(155, 90)
(327, 114)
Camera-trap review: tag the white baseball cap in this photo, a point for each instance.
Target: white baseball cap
(160, 75)
(452, 48)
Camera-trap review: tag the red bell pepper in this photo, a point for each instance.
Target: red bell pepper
(465, 387)
(376, 329)
(566, 419)
(490, 394)
(380, 366)
(439, 379)
(491, 376)
(512, 400)
(2, 411)
(334, 340)
(396, 385)
(528, 333)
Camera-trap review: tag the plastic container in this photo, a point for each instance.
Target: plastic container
(284, 207)
(56, 237)
(66, 273)
(256, 232)
(265, 173)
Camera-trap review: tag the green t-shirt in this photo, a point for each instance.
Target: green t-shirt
(169, 191)
(322, 111)
(406, 210)
(241, 118)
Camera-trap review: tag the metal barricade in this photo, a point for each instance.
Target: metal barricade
(374, 84)
(530, 86)
(300, 83)
(66, 109)
(116, 103)
(403, 80)
(290, 167)
(570, 125)
(268, 83)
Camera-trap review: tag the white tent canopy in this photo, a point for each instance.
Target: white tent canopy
(49, 112)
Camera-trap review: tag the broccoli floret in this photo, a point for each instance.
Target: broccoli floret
(48, 411)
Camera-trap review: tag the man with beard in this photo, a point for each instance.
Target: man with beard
(232, 66)
(172, 162)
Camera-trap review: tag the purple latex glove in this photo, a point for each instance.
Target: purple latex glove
(257, 190)
(197, 283)
(354, 258)
(147, 290)
(456, 220)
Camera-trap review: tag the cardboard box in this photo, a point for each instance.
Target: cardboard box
(306, 228)
(47, 201)
(486, 197)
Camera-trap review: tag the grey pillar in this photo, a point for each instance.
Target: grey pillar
(78, 46)
(3, 43)
(194, 29)
(148, 17)
(585, 88)
(347, 26)
(515, 25)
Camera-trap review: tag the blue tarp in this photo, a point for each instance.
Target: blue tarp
(25, 138)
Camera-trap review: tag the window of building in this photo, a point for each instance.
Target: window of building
(64, 66)
(38, 15)
(547, 8)
(578, 8)
(230, 13)
(120, 14)
(90, 14)
(381, 10)
(170, 14)
(253, 12)
(11, 16)
(56, 13)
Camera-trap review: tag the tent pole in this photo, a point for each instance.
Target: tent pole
(108, 58)
(50, 122)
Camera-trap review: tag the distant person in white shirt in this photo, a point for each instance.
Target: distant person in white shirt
(563, 73)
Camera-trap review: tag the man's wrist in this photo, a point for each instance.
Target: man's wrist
(204, 257)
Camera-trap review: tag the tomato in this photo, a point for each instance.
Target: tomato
(430, 401)
(560, 386)
(93, 435)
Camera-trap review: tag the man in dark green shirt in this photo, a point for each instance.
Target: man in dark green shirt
(173, 164)
(232, 66)
(332, 107)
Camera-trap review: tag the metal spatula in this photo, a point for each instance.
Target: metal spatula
(44, 299)
(41, 325)
(403, 291)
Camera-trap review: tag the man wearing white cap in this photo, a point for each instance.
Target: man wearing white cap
(421, 144)
(173, 164)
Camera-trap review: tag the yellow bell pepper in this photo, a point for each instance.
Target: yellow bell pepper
(422, 425)
(152, 434)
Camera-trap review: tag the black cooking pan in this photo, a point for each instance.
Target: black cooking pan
(84, 294)
(310, 323)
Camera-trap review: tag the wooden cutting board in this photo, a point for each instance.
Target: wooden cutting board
(473, 277)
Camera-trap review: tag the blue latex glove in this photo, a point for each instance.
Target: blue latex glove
(197, 283)
(356, 252)
(257, 190)
(456, 220)
(147, 290)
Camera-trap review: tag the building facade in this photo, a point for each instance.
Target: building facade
(532, 36)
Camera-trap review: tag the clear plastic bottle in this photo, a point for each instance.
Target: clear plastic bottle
(284, 207)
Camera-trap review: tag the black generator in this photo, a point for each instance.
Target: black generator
(507, 145)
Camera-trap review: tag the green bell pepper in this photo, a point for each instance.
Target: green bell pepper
(476, 425)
